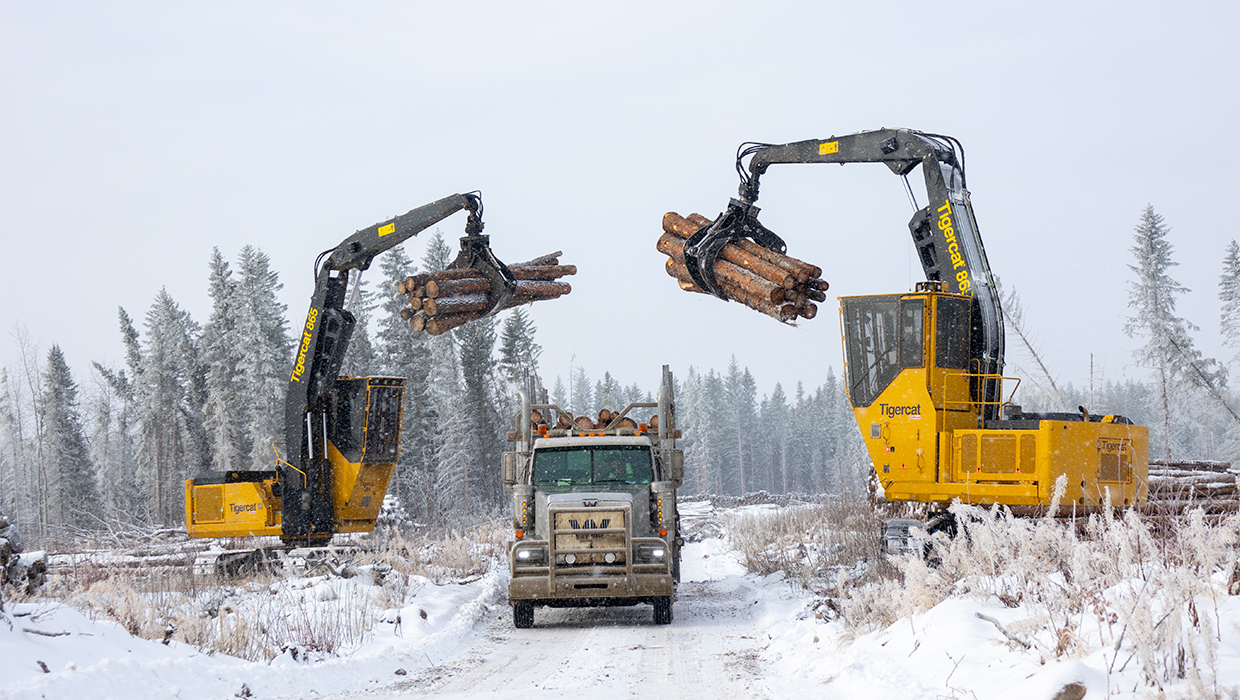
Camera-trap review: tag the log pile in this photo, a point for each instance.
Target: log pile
(443, 300)
(1175, 486)
(779, 286)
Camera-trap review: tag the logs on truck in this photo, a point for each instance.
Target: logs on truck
(766, 281)
(443, 300)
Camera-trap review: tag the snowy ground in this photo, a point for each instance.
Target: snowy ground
(734, 635)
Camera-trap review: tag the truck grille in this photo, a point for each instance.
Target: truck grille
(590, 534)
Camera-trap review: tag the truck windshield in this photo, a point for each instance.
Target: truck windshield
(579, 465)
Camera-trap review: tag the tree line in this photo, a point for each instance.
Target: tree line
(191, 398)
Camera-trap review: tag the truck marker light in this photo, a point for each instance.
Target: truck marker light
(570, 558)
(520, 534)
(610, 558)
(663, 532)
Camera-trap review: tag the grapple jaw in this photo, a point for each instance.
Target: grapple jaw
(739, 220)
(476, 254)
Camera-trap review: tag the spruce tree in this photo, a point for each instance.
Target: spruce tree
(75, 494)
(224, 418)
(518, 357)
(581, 397)
(403, 352)
(263, 338)
(361, 358)
(1229, 296)
(607, 394)
(1168, 349)
(559, 394)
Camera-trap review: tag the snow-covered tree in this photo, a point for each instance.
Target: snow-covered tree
(74, 493)
(402, 352)
(225, 420)
(361, 359)
(608, 393)
(581, 398)
(1168, 349)
(1229, 296)
(518, 357)
(559, 394)
(263, 338)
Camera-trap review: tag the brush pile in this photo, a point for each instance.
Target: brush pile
(779, 286)
(443, 300)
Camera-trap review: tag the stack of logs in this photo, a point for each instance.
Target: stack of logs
(440, 301)
(777, 285)
(1210, 485)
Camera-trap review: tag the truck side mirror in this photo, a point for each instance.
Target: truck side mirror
(508, 468)
(678, 465)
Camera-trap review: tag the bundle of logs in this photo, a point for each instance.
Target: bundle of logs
(779, 286)
(443, 300)
(1210, 485)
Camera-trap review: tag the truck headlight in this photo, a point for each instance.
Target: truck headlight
(651, 554)
(529, 555)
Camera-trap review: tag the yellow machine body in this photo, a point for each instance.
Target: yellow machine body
(913, 396)
(362, 449)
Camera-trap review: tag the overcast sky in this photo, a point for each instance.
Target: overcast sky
(135, 137)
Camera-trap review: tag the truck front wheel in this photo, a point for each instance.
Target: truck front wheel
(663, 610)
(523, 614)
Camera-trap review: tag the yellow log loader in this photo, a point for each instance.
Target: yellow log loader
(341, 434)
(924, 369)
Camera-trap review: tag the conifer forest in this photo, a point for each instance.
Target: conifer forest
(106, 446)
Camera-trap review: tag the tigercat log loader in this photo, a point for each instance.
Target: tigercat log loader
(925, 369)
(341, 434)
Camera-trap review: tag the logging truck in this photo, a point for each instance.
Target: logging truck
(594, 507)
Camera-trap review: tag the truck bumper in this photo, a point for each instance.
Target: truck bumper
(591, 589)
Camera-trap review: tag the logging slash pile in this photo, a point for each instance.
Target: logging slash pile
(440, 301)
(779, 286)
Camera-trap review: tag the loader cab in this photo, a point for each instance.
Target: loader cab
(364, 423)
(925, 335)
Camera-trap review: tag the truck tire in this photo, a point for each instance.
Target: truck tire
(663, 610)
(523, 614)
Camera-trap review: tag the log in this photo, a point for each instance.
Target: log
(415, 303)
(451, 288)
(407, 313)
(783, 313)
(451, 306)
(680, 273)
(541, 272)
(548, 259)
(808, 311)
(418, 323)
(541, 289)
(804, 271)
(814, 294)
(681, 227)
(819, 284)
(727, 274)
(442, 324)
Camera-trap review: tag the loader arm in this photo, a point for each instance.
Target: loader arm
(944, 231)
(304, 471)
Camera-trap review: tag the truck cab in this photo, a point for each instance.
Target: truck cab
(594, 509)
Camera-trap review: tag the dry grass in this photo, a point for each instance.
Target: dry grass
(264, 615)
(816, 545)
